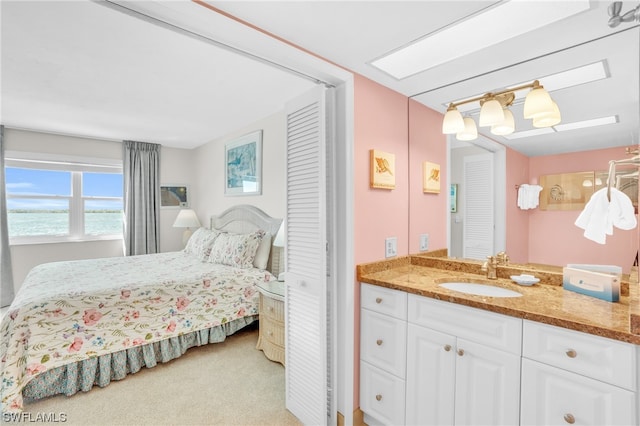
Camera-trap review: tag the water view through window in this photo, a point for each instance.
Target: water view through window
(40, 202)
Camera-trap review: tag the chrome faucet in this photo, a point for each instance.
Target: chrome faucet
(503, 258)
(490, 266)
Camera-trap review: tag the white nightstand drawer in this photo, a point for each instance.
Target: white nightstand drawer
(383, 342)
(382, 395)
(384, 300)
(271, 308)
(603, 359)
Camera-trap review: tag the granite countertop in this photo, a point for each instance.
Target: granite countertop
(546, 302)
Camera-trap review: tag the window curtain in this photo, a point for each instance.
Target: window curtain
(6, 271)
(141, 176)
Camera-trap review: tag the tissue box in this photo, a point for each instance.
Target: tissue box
(601, 281)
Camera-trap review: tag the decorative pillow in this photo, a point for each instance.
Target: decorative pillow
(237, 250)
(200, 242)
(262, 254)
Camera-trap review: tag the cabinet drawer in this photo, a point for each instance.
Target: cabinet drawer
(382, 395)
(383, 342)
(384, 300)
(603, 359)
(271, 308)
(272, 331)
(488, 328)
(552, 396)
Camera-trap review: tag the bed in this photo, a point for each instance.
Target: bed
(77, 324)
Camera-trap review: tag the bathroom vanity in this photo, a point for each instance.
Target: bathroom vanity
(430, 355)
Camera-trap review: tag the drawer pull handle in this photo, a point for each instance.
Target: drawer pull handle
(461, 352)
(378, 300)
(379, 342)
(569, 418)
(271, 308)
(378, 397)
(447, 348)
(572, 353)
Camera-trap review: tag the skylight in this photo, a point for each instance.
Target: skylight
(515, 17)
(602, 121)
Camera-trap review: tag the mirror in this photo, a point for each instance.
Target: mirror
(547, 236)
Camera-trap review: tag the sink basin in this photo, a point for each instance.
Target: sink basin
(481, 289)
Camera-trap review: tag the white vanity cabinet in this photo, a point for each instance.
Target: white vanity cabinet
(383, 353)
(569, 377)
(463, 365)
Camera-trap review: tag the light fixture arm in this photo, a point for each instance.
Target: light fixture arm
(534, 85)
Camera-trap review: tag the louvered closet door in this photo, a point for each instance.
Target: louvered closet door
(478, 228)
(305, 259)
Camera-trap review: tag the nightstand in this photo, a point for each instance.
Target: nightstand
(271, 331)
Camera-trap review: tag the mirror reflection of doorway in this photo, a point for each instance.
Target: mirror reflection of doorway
(477, 227)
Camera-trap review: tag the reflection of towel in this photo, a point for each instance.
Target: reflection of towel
(600, 215)
(528, 196)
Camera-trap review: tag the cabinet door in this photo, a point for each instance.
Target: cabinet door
(487, 385)
(552, 396)
(383, 342)
(431, 365)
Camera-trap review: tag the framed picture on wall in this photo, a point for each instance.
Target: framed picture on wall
(243, 165)
(174, 196)
(382, 170)
(430, 178)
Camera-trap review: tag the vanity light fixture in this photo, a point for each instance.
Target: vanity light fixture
(495, 112)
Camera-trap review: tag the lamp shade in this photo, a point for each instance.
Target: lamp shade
(507, 126)
(278, 241)
(470, 131)
(453, 122)
(491, 113)
(548, 120)
(186, 219)
(537, 103)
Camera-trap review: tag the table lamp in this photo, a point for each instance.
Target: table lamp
(186, 219)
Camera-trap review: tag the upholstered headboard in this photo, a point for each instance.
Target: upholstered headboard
(243, 219)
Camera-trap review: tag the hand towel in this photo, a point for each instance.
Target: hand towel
(528, 196)
(600, 215)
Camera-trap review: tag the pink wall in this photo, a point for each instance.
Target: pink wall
(380, 122)
(428, 212)
(554, 239)
(517, 244)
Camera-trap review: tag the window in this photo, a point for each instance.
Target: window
(63, 200)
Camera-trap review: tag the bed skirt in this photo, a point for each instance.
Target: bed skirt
(83, 375)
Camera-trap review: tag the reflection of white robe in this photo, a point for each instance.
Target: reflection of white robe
(600, 215)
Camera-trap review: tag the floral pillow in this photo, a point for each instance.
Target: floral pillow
(200, 242)
(237, 250)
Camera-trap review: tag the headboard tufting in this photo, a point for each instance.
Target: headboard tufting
(243, 219)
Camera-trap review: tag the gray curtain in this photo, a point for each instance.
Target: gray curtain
(6, 271)
(141, 176)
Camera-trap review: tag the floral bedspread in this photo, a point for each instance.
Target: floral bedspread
(70, 311)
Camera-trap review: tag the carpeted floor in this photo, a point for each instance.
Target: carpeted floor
(230, 383)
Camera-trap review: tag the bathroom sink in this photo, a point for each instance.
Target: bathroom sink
(481, 289)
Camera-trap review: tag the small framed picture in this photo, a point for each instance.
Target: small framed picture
(383, 170)
(174, 196)
(430, 178)
(243, 165)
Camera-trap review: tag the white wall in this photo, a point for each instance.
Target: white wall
(208, 190)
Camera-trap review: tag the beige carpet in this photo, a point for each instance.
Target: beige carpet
(230, 383)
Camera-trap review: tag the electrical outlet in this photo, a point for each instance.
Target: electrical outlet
(424, 242)
(391, 247)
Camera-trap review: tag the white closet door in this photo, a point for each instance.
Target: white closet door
(478, 229)
(306, 260)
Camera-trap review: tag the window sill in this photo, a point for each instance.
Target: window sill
(25, 241)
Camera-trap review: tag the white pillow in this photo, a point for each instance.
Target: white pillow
(200, 242)
(237, 250)
(262, 254)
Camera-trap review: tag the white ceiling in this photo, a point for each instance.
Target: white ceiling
(84, 69)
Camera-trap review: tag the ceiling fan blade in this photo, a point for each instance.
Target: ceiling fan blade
(614, 8)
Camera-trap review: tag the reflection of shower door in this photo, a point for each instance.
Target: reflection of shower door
(478, 225)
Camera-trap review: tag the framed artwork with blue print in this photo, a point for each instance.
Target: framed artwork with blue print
(243, 165)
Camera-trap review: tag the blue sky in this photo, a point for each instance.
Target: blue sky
(46, 182)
